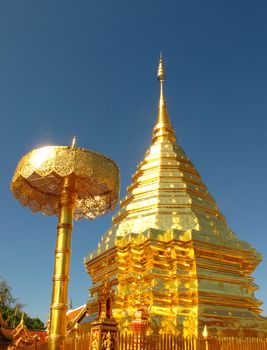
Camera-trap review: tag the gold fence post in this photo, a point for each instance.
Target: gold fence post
(205, 335)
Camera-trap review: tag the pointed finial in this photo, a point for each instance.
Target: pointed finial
(163, 128)
(161, 70)
(70, 303)
(161, 77)
(73, 144)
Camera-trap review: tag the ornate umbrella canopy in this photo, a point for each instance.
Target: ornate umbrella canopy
(37, 180)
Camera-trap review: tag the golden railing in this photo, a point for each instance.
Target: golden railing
(42, 346)
(169, 342)
(163, 342)
(82, 342)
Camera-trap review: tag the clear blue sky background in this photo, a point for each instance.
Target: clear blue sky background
(88, 68)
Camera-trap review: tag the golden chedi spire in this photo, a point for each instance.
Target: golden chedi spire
(170, 231)
(166, 190)
(163, 128)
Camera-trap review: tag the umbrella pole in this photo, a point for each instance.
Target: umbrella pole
(58, 308)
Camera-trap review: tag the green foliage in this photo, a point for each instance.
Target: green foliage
(6, 298)
(12, 309)
(34, 323)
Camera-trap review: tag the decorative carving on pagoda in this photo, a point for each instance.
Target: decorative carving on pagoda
(108, 341)
(105, 300)
(140, 300)
(104, 328)
(95, 341)
(190, 325)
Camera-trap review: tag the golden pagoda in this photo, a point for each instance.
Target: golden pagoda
(170, 234)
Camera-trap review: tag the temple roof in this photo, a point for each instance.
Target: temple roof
(75, 315)
(167, 191)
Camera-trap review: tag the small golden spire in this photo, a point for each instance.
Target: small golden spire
(162, 109)
(163, 127)
(73, 144)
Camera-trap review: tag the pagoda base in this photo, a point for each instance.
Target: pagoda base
(190, 278)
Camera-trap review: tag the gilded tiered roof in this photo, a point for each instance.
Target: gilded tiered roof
(166, 191)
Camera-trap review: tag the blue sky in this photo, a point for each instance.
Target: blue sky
(88, 68)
